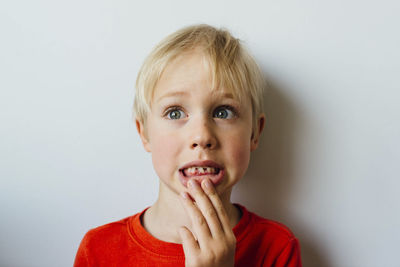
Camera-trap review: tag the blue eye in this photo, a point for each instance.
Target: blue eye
(224, 112)
(175, 114)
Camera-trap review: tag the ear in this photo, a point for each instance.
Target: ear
(143, 135)
(255, 136)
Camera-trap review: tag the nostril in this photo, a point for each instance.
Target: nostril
(207, 145)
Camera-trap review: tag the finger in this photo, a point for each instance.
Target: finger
(200, 227)
(207, 209)
(190, 245)
(218, 206)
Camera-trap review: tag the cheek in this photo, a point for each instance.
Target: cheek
(239, 152)
(164, 152)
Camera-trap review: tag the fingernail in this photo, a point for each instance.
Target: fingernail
(184, 195)
(207, 184)
(193, 184)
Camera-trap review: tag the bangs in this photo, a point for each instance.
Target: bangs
(227, 76)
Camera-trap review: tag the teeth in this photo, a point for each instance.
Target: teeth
(200, 170)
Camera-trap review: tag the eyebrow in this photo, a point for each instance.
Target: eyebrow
(173, 94)
(184, 93)
(227, 95)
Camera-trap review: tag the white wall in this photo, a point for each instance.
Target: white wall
(328, 165)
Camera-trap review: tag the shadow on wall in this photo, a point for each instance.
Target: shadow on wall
(269, 181)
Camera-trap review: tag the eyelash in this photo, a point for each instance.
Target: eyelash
(177, 108)
(170, 109)
(228, 107)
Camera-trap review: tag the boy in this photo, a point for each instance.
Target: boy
(198, 108)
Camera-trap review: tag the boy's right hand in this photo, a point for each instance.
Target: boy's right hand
(213, 242)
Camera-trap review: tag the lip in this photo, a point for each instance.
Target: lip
(215, 179)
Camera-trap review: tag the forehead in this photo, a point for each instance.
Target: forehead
(188, 70)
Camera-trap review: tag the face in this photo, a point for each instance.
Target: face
(194, 131)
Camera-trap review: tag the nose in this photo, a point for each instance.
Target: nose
(202, 135)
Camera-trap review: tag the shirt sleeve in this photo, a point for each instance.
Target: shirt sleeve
(290, 255)
(82, 258)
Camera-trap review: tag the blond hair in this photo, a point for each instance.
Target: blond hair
(232, 67)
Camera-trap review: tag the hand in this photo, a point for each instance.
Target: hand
(213, 242)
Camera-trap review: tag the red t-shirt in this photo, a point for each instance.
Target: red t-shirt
(259, 242)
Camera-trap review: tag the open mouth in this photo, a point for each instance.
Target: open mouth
(199, 171)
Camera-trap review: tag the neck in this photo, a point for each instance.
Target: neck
(163, 219)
